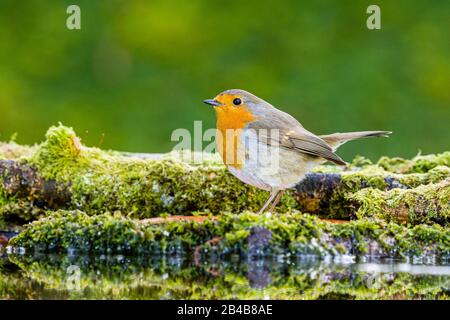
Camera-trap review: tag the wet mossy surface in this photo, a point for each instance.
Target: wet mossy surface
(245, 234)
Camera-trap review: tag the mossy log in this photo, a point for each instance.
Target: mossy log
(425, 204)
(26, 193)
(61, 173)
(289, 234)
(408, 198)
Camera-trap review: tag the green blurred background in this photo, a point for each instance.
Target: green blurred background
(139, 69)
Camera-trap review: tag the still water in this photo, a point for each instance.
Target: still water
(178, 277)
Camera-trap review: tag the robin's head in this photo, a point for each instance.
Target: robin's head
(235, 108)
(238, 103)
(234, 98)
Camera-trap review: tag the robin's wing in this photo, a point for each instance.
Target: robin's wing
(283, 130)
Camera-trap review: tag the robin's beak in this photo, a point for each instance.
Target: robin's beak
(212, 102)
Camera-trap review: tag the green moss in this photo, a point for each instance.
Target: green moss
(428, 204)
(246, 233)
(14, 208)
(333, 199)
(419, 164)
(360, 162)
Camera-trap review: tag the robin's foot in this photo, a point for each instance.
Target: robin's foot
(276, 200)
(274, 196)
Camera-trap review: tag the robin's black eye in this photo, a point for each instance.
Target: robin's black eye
(237, 101)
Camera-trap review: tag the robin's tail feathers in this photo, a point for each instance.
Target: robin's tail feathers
(335, 140)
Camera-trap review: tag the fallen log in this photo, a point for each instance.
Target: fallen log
(26, 194)
(428, 204)
(404, 198)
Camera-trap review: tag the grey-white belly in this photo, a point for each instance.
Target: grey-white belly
(272, 168)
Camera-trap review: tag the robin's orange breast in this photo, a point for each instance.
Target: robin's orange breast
(231, 121)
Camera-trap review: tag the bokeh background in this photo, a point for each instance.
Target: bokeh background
(139, 69)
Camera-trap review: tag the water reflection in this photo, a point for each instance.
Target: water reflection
(404, 267)
(178, 277)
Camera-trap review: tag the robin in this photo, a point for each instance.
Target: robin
(268, 148)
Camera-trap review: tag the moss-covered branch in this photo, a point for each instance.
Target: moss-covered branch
(332, 193)
(61, 173)
(292, 233)
(25, 193)
(425, 204)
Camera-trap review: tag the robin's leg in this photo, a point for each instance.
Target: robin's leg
(273, 194)
(277, 199)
